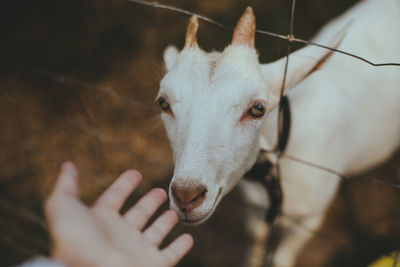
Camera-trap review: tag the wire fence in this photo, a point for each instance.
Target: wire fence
(268, 258)
(93, 131)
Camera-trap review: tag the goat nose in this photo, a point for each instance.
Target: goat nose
(188, 198)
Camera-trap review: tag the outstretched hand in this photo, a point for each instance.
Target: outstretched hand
(100, 236)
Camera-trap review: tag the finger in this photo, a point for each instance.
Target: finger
(114, 197)
(67, 182)
(178, 248)
(65, 190)
(161, 227)
(139, 214)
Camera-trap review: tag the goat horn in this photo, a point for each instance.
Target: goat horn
(191, 39)
(245, 29)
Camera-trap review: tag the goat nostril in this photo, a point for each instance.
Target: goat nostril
(200, 196)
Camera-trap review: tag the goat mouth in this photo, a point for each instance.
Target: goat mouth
(197, 221)
(203, 218)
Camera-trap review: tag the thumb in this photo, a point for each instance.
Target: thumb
(67, 182)
(66, 188)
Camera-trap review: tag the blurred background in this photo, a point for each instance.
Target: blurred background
(78, 81)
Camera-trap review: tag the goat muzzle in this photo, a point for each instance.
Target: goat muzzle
(187, 198)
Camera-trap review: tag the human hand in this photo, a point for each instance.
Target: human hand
(100, 236)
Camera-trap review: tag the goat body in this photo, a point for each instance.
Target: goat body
(345, 116)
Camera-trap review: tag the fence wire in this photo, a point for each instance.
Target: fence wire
(272, 241)
(290, 37)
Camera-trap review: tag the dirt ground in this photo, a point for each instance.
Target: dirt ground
(78, 81)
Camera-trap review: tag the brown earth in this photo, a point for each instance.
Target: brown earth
(77, 82)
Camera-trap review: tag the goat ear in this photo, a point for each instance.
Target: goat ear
(245, 29)
(171, 54)
(302, 63)
(191, 31)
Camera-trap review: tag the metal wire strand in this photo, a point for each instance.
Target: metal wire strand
(290, 37)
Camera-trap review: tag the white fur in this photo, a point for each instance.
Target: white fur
(200, 133)
(345, 115)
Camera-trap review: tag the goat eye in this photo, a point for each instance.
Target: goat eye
(164, 105)
(257, 110)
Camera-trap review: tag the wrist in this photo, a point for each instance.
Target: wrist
(115, 258)
(43, 262)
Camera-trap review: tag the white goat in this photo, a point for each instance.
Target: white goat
(220, 108)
